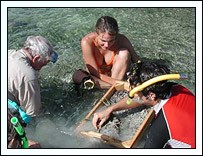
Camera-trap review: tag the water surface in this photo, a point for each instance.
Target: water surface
(156, 33)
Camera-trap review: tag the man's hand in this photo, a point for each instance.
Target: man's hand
(100, 117)
(33, 144)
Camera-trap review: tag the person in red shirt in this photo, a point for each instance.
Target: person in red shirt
(174, 123)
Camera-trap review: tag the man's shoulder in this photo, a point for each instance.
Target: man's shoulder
(20, 68)
(10, 51)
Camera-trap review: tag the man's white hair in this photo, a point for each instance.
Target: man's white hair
(39, 45)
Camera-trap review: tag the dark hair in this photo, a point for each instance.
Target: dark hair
(107, 24)
(142, 72)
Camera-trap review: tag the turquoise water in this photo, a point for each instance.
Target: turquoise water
(156, 33)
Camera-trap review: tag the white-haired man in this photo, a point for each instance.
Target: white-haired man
(23, 71)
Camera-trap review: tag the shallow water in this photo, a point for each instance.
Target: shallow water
(156, 33)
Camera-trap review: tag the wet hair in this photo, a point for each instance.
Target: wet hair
(39, 45)
(141, 72)
(107, 24)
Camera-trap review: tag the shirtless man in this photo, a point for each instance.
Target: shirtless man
(107, 54)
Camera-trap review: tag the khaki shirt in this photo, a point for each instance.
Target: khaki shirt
(23, 82)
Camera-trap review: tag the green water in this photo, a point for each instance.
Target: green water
(156, 33)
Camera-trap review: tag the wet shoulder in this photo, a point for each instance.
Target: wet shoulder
(88, 40)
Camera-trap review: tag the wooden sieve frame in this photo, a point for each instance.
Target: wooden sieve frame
(108, 139)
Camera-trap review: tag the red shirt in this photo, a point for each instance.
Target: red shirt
(180, 115)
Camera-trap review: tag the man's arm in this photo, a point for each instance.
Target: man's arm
(100, 117)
